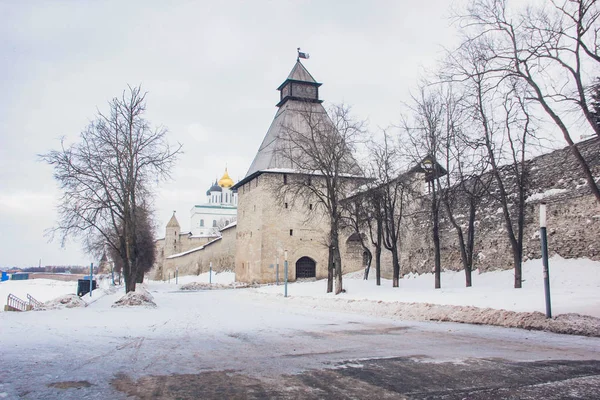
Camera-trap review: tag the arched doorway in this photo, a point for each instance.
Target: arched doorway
(306, 268)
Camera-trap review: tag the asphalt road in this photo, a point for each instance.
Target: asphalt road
(238, 345)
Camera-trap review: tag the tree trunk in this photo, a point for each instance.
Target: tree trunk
(337, 259)
(470, 247)
(130, 279)
(367, 261)
(139, 275)
(518, 260)
(378, 252)
(378, 265)
(396, 267)
(466, 248)
(330, 271)
(338, 274)
(436, 237)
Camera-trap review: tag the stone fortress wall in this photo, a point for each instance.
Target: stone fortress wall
(220, 251)
(573, 220)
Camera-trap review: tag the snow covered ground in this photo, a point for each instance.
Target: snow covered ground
(574, 287)
(41, 289)
(75, 353)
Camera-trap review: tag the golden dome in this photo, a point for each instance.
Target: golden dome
(226, 181)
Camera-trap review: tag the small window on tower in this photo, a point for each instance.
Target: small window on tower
(286, 205)
(201, 223)
(291, 232)
(285, 179)
(309, 181)
(310, 206)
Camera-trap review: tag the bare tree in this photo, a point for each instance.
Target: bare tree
(554, 50)
(466, 162)
(319, 149)
(388, 200)
(106, 179)
(499, 103)
(467, 183)
(424, 137)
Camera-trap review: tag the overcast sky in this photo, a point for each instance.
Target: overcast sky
(211, 69)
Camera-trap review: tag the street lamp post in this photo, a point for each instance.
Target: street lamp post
(285, 273)
(544, 240)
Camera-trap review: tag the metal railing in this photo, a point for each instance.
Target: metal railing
(33, 302)
(13, 303)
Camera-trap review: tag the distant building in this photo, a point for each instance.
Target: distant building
(219, 210)
(207, 222)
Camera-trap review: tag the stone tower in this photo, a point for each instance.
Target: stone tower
(270, 224)
(172, 243)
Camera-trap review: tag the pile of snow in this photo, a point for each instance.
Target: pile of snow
(212, 286)
(139, 297)
(66, 301)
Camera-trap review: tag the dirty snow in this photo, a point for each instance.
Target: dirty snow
(138, 298)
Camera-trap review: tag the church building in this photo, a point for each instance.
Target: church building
(219, 210)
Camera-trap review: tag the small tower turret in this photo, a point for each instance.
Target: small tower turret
(172, 243)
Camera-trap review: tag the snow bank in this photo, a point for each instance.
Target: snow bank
(66, 301)
(492, 300)
(574, 287)
(574, 324)
(139, 297)
(213, 286)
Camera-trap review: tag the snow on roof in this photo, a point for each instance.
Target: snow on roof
(231, 225)
(203, 236)
(186, 252)
(194, 249)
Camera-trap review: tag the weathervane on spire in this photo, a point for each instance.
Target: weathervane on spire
(302, 55)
